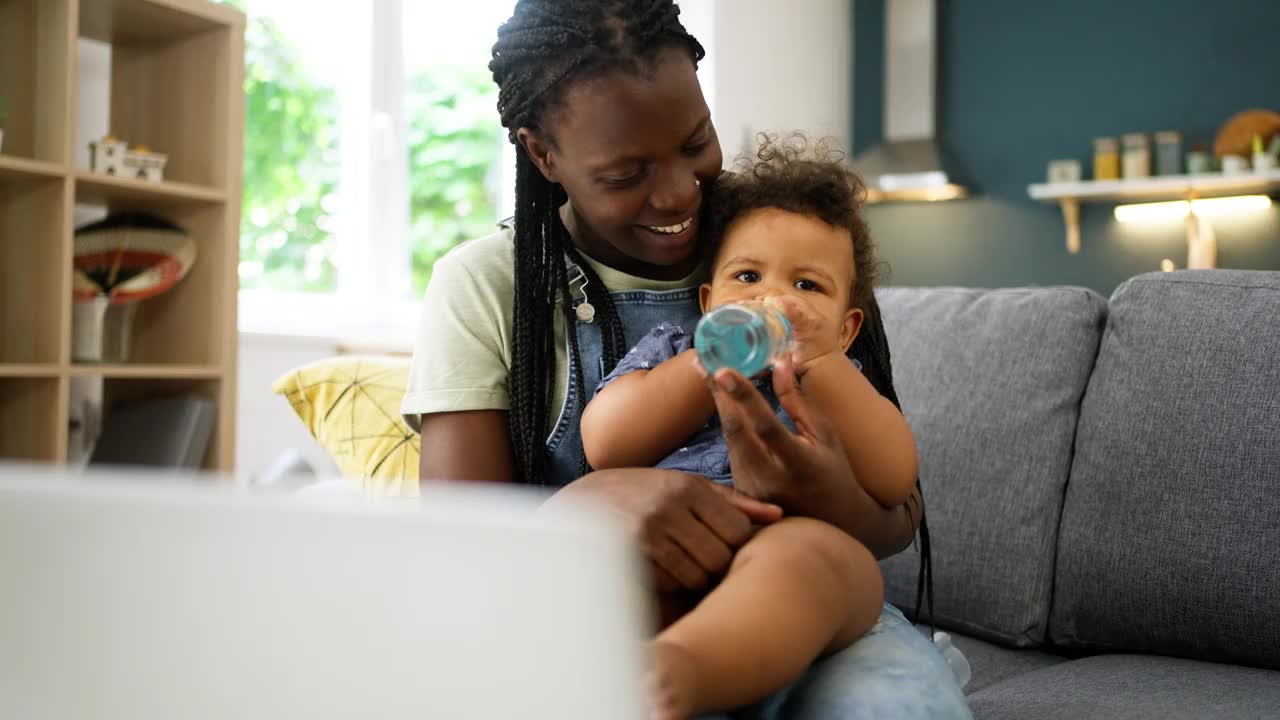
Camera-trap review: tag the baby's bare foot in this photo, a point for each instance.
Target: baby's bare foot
(672, 682)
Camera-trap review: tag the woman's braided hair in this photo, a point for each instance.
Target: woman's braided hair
(541, 50)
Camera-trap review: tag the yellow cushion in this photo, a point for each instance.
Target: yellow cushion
(351, 405)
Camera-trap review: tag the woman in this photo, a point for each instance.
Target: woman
(614, 145)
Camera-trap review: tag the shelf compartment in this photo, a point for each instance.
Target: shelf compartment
(175, 82)
(36, 56)
(121, 392)
(30, 414)
(34, 254)
(185, 325)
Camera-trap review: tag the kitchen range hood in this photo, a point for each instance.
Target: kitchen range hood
(910, 164)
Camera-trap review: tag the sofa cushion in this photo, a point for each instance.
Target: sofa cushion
(1171, 525)
(1131, 687)
(991, 664)
(990, 381)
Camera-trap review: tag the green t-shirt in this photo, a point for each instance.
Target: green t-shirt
(462, 355)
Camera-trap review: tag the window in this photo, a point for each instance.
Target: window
(372, 147)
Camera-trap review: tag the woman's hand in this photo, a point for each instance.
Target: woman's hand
(688, 526)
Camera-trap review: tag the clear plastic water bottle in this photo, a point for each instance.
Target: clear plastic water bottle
(956, 659)
(749, 337)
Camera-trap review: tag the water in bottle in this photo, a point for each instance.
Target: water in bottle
(749, 337)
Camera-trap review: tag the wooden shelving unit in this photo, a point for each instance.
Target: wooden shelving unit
(177, 79)
(1166, 187)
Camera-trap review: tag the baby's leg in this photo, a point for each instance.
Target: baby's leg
(800, 588)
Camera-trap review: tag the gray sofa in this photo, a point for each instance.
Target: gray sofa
(1102, 480)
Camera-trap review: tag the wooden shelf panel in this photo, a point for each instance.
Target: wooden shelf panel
(29, 370)
(98, 188)
(148, 371)
(37, 62)
(35, 290)
(125, 371)
(133, 21)
(1167, 187)
(16, 168)
(31, 411)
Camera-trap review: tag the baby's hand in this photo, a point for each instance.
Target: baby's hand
(812, 339)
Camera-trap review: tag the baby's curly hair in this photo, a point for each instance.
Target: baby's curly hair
(793, 174)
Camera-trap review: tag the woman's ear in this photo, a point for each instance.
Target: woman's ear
(539, 152)
(704, 296)
(852, 324)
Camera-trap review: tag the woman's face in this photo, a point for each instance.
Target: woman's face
(633, 151)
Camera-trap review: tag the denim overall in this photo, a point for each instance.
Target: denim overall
(640, 311)
(893, 672)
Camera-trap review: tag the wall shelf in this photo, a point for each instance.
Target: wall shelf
(1154, 189)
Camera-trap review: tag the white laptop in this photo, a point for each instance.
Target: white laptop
(160, 600)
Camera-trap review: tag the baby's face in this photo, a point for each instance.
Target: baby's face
(771, 252)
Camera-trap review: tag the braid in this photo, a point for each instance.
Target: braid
(533, 321)
(872, 346)
(543, 47)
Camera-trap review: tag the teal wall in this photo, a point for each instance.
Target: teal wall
(1024, 82)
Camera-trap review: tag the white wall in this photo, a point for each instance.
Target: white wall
(699, 18)
(266, 425)
(775, 67)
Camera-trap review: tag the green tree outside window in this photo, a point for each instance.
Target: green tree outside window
(291, 168)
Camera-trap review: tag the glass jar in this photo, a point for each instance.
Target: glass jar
(1169, 153)
(1106, 159)
(1137, 156)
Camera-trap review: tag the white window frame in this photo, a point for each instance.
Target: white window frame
(373, 301)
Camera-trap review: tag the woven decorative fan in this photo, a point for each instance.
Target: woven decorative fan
(130, 256)
(1236, 136)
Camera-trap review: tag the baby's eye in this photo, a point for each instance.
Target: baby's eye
(807, 285)
(747, 276)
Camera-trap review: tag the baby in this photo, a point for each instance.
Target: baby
(785, 229)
